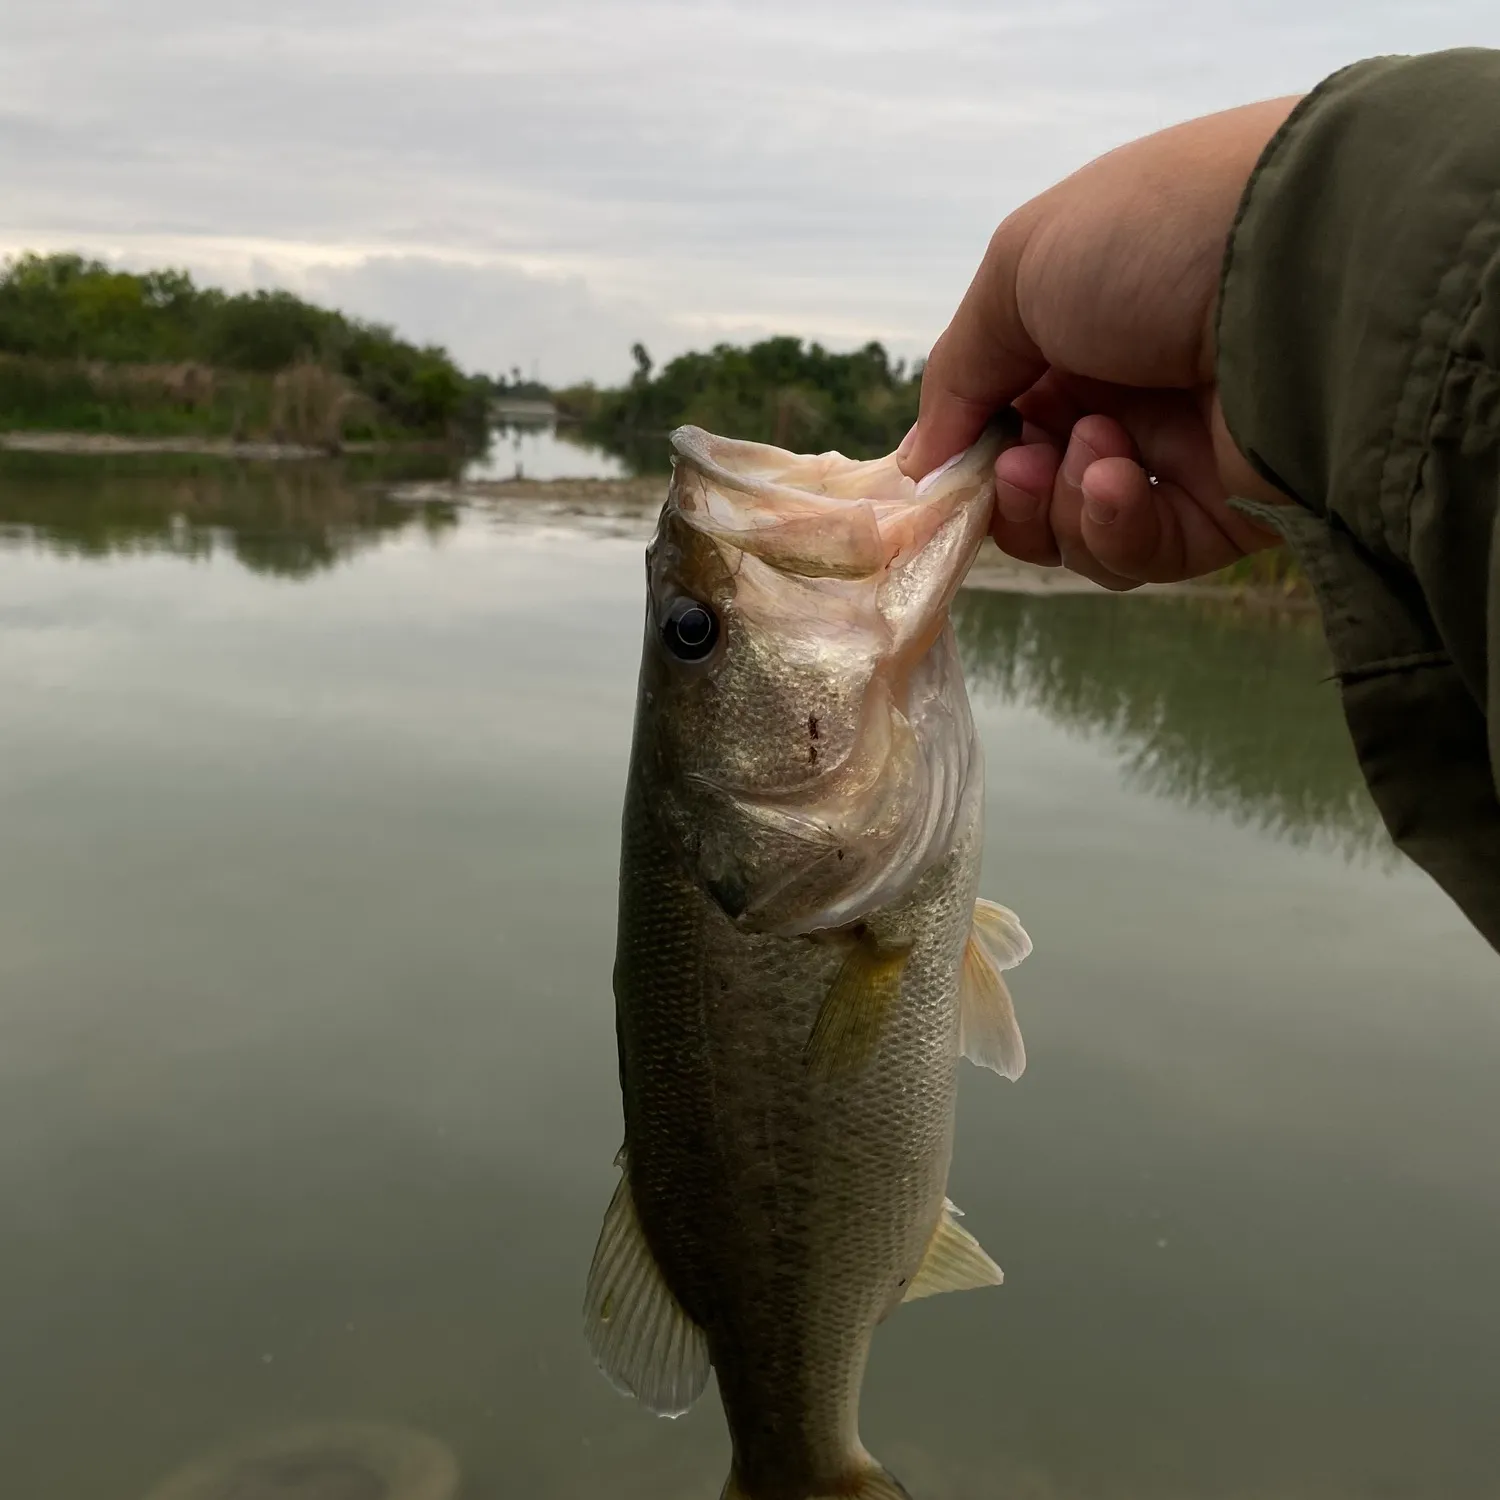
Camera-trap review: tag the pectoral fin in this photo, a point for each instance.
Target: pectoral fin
(988, 1032)
(1002, 932)
(955, 1261)
(638, 1333)
(858, 1005)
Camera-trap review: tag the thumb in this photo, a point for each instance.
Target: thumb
(984, 360)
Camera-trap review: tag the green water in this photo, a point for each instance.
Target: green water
(307, 1078)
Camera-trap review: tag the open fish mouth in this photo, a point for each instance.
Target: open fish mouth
(820, 515)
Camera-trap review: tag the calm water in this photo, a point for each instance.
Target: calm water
(542, 451)
(307, 1076)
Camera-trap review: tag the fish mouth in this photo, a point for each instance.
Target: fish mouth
(816, 549)
(824, 515)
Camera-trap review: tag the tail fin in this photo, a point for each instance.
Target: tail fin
(873, 1483)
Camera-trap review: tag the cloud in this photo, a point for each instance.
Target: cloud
(546, 183)
(495, 317)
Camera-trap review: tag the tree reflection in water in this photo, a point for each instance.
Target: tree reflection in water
(286, 519)
(1212, 704)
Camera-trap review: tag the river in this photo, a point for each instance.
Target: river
(307, 1075)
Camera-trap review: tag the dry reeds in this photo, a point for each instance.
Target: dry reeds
(310, 404)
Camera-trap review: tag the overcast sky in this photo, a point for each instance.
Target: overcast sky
(541, 184)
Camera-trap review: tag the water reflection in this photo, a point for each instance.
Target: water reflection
(290, 520)
(543, 450)
(1215, 707)
(1211, 705)
(308, 1085)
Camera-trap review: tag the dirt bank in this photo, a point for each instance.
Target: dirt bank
(107, 445)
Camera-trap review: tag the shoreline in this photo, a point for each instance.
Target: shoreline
(639, 499)
(630, 505)
(112, 445)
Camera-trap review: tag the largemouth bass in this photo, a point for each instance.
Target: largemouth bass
(801, 958)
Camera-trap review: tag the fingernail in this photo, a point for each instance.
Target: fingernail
(907, 444)
(1015, 504)
(1078, 457)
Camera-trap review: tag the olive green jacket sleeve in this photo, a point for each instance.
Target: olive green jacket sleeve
(1359, 367)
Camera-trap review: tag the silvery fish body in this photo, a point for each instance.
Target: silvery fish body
(801, 961)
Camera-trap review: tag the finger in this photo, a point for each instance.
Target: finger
(1127, 525)
(1152, 533)
(984, 359)
(1094, 439)
(1024, 477)
(1054, 405)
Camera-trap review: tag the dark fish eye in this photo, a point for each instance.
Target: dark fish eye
(690, 629)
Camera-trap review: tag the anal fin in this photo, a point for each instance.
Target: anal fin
(989, 1034)
(638, 1333)
(955, 1261)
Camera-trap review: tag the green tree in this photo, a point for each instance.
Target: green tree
(778, 391)
(63, 308)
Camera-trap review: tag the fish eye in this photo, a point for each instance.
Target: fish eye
(690, 629)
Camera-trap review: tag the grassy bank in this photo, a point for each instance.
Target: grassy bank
(87, 348)
(179, 400)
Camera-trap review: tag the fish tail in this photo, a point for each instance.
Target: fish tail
(870, 1483)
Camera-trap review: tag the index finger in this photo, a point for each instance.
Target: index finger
(984, 359)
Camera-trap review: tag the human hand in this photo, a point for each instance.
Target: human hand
(1092, 312)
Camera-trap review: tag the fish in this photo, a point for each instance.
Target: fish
(802, 955)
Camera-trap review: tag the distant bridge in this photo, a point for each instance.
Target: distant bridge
(522, 410)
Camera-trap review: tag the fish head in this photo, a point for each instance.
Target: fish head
(802, 726)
